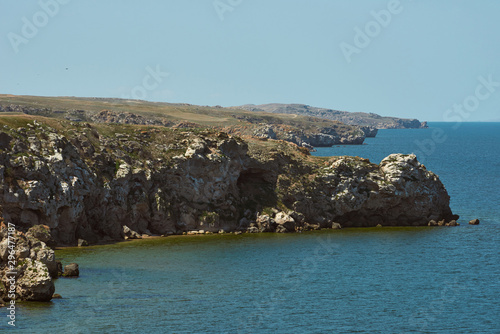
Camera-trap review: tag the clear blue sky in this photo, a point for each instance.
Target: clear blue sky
(427, 58)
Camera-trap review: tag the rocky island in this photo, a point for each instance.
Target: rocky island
(92, 181)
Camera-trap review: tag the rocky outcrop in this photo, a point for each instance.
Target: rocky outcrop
(353, 118)
(27, 267)
(108, 116)
(82, 182)
(322, 137)
(369, 131)
(71, 270)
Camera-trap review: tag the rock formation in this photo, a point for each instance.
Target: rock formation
(104, 182)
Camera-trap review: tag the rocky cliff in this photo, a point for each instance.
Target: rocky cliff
(101, 182)
(367, 120)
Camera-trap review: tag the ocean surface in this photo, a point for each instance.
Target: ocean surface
(365, 280)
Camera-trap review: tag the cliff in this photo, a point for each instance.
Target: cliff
(304, 131)
(367, 120)
(104, 182)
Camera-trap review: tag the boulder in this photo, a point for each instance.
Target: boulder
(34, 282)
(42, 233)
(336, 226)
(71, 270)
(474, 222)
(285, 221)
(452, 223)
(265, 223)
(432, 222)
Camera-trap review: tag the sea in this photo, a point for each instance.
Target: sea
(356, 280)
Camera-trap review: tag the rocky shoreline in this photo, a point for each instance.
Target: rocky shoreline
(98, 183)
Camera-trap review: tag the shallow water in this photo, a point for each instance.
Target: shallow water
(371, 280)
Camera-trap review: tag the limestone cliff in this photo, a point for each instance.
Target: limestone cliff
(88, 181)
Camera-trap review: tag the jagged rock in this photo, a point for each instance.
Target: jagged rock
(34, 282)
(452, 223)
(265, 223)
(71, 270)
(42, 233)
(474, 222)
(284, 220)
(432, 223)
(265, 131)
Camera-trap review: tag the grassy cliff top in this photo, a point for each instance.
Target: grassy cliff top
(89, 109)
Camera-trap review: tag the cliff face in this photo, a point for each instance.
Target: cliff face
(87, 182)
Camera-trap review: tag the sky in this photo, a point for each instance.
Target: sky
(427, 59)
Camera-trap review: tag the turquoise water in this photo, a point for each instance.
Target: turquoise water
(373, 280)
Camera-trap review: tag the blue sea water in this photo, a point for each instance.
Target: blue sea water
(365, 280)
